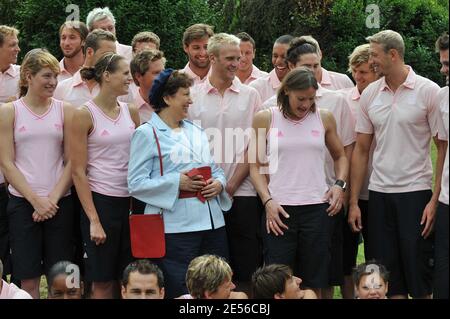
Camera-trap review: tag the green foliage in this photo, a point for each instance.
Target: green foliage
(339, 25)
(39, 21)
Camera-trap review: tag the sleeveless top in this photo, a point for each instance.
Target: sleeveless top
(109, 151)
(296, 153)
(38, 146)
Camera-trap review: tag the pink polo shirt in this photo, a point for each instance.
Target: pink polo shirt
(145, 109)
(197, 80)
(223, 116)
(256, 74)
(64, 74)
(267, 86)
(335, 81)
(125, 50)
(353, 97)
(443, 135)
(9, 84)
(403, 123)
(11, 291)
(76, 92)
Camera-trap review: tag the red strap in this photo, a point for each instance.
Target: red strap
(159, 151)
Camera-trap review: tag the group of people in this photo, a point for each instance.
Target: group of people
(267, 178)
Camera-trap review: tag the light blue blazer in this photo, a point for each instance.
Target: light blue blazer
(180, 153)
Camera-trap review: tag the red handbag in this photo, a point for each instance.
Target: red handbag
(147, 231)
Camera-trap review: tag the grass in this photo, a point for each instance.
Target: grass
(337, 293)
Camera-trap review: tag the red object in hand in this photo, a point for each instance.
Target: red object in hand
(205, 172)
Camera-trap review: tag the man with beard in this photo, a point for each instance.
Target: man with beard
(267, 86)
(72, 35)
(195, 44)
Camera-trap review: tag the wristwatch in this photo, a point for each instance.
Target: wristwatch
(342, 184)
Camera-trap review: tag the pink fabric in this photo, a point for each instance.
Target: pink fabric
(299, 177)
(76, 92)
(38, 146)
(352, 95)
(145, 109)
(234, 110)
(443, 135)
(64, 75)
(9, 84)
(109, 151)
(195, 77)
(403, 124)
(267, 86)
(335, 81)
(256, 74)
(11, 291)
(125, 50)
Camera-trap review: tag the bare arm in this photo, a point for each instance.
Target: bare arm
(360, 159)
(43, 206)
(134, 112)
(80, 128)
(261, 125)
(335, 195)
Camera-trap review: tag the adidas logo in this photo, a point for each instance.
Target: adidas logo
(105, 133)
(22, 129)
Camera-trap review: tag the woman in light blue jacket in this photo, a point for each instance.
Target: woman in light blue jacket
(192, 206)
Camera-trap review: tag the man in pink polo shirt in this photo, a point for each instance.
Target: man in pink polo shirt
(102, 18)
(145, 67)
(363, 73)
(9, 72)
(440, 285)
(268, 86)
(72, 35)
(225, 108)
(247, 71)
(328, 79)
(9, 90)
(11, 291)
(399, 111)
(195, 45)
(78, 91)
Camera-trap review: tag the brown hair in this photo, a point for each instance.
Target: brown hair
(197, 31)
(34, 61)
(140, 63)
(174, 82)
(442, 42)
(93, 39)
(270, 280)
(6, 31)
(77, 26)
(300, 78)
(109, 62)
(245, 37)
(145, 36)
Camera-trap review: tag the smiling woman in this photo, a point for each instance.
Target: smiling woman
(34, 159)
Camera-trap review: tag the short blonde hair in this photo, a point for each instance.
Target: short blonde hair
(389, 40)
(360, 55)
(6, 31)
(145, 36)
(216, 42)
(206, 273)
(35, 61)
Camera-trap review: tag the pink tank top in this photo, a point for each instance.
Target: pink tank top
(299, 176)
(38, 146)
(109, 151)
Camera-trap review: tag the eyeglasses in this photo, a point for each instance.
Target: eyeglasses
(109, 62)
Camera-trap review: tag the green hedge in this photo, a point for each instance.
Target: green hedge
(339, 25)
